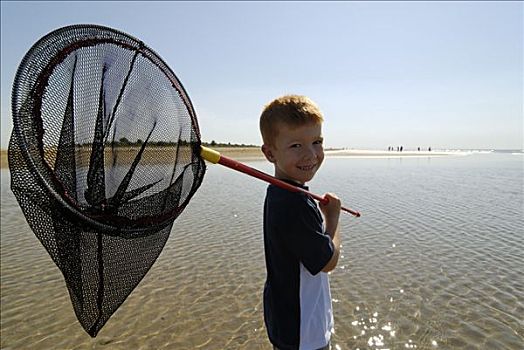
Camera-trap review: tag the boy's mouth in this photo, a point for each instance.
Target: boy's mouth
(307, 167)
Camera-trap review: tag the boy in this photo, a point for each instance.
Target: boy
(299, 249)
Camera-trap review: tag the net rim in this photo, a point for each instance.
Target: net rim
(30, 161)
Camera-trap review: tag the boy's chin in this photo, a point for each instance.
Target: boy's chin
(303, 179)
(297, 178)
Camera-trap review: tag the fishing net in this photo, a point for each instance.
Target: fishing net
(104, 156)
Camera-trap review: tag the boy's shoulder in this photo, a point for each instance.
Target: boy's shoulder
(286, 204)
(281, 196)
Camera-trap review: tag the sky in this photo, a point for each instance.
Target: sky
(446, 75)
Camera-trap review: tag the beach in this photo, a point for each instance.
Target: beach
(155, 154)
(364, 153)
(3, 159)
(254, 153)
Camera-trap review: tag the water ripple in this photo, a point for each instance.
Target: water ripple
(435, 262)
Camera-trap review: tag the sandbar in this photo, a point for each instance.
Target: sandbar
(255, 153)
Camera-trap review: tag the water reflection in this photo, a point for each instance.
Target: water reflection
(425, 267)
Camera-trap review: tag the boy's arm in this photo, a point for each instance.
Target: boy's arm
(331, 212)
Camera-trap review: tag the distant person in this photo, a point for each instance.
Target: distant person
(418, 149)
(301, 245)
(429, 149)
(401, 148)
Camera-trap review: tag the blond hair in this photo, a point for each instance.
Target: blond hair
(291, 110)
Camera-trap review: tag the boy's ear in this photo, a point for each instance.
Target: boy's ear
(268, 153)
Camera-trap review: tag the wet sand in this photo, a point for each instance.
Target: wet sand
(253, 153)
(154, 155)
(361, 153)
(3, 159)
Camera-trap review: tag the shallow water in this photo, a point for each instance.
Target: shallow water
(435, 262)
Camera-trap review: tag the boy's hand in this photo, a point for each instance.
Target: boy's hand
(331, 209)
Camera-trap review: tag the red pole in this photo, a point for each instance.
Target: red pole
(235, 165)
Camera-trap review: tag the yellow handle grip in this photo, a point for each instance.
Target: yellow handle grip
(209, 154)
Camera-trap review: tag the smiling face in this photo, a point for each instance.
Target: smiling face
(297, 152)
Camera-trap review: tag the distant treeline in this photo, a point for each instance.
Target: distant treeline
(229, 144)
(124, 142)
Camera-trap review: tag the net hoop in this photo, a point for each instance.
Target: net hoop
(38, 80)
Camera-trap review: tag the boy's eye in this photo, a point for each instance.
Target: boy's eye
(295, 145)
(318, 142)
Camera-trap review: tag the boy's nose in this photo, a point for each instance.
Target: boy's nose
(310, 153)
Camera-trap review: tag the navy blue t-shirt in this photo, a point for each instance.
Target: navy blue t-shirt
(293, 235)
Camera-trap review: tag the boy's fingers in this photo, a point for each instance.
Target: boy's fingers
(331, 196)
(331, 202)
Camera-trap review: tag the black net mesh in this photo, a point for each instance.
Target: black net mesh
(104, 156)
